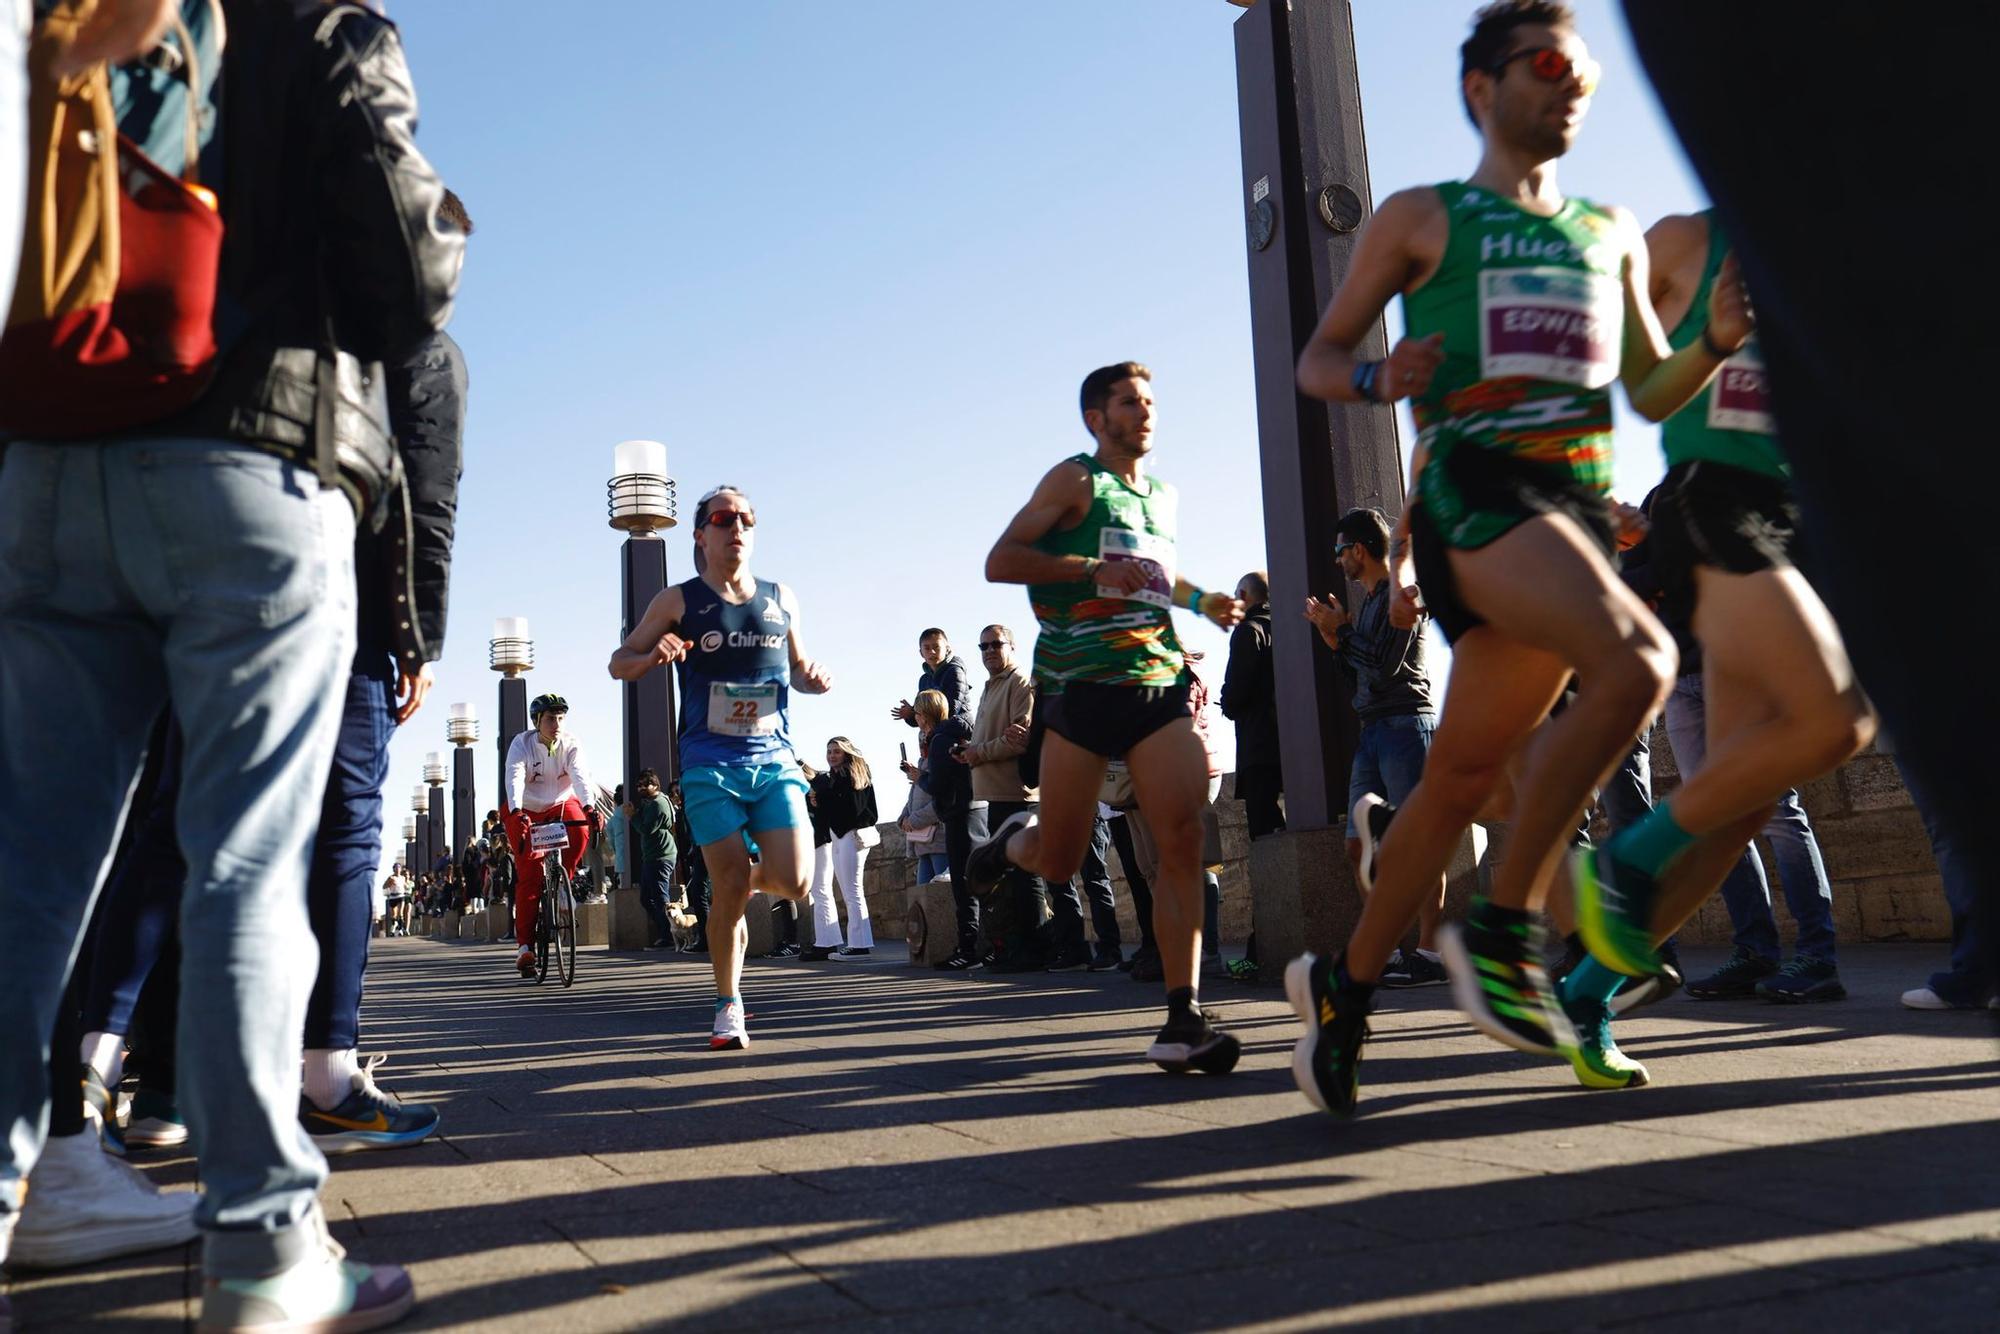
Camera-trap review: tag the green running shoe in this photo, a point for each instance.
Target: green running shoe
(1594, 1056)
(1497, 978)
(1614, 912)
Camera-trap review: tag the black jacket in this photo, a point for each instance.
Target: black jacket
(949, 679)
(1250, 689)
(949, 781)
(408, 563)
(330, 219)
(843, 806)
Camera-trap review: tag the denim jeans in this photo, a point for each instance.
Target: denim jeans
(1969, 981)
(655, 880)
(340, 885)
(1627, 796)
(931, 865)
(1746, 892)
(1094, 878)
(134, 573)
(1389, 757)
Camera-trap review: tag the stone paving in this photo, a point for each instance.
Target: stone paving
(905, 1150)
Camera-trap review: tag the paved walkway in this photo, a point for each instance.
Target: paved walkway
(910, 1151)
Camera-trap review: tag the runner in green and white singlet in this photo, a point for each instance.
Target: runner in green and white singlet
(1523, 306)
(1095, 545)
(1781, 700)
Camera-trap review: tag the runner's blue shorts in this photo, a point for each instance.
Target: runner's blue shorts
(748, 798)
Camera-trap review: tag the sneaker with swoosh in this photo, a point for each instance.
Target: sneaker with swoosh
(368, 1118)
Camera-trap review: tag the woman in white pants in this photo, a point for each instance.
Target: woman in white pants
(819, 909)
(847, 804)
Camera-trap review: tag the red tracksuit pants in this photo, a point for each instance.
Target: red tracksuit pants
(528, 868)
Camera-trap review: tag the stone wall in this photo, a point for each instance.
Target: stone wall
(1885, 881)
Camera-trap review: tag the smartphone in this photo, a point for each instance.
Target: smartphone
(903, 749)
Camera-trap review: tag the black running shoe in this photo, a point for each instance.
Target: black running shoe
(1146, 967)
(1072, 960)
(1736, 979)
(1368, 822)
(816, 953)
(1326, 1062)
(1107, 958)
(1414, 968)
(1188, 1043)
(988, 862)
(1498, 980)
(957, 962)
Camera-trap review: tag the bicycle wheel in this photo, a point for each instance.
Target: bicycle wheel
(544, 931)
(565, 932)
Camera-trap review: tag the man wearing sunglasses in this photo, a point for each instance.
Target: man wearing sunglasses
(1384, 664)
(1095, 545)
(736, 638)
(1522, 307)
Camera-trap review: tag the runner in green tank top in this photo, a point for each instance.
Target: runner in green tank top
(1100, 634)
(1781, 701)
(1523, 306)
(1095, 545)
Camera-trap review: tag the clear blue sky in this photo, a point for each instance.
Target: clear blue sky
(855, 258)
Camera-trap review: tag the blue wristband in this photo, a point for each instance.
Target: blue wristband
(1363, 380)
(1194, 597)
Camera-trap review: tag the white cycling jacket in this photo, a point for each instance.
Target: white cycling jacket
(539, 777)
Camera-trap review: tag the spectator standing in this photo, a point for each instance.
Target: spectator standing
(1393, 700)
(922, 831)
(208, 562)
(649, 820)
(1250, 700)
(847, 804)
(1969, 982)
(819, 894)
(948, 782)
(619, 828)
(944, 671)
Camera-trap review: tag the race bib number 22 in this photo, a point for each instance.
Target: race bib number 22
(737, 710)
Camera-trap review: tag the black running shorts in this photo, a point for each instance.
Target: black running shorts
(1726, 518)
(1590, 510)
(1109, 720)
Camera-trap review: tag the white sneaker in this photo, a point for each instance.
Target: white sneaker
(1923, 998)
(729, 1034)
(324, 1291)
(85, 1205)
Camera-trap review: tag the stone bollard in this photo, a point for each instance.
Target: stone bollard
(1303, 895)
(763, 931)
(630, 929)
(593, 924)
(930, 923)
(448, 928)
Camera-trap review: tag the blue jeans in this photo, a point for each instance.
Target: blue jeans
(340, 885)
(931, 865)
(1746, 892)
(1389, 757)
(1094, 879)
(1969, 981)
(134, 573)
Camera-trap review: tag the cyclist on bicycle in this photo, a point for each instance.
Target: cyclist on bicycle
(545, 783)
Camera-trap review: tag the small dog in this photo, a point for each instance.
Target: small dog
(683, 921)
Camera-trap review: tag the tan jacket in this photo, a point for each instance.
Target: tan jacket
(996, 773)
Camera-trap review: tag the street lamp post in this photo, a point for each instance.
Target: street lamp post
(462, 730)
(511, 653)
(642, 505)
(410, 844)
(420, 810)
(434, 777)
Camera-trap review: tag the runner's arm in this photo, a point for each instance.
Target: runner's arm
(1221, 608)
(1658, 380)
(650, 644)
(1401, 244)
(1676, 252)
(1061, 500)
(808, 677)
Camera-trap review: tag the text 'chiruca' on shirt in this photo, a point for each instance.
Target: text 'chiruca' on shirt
(736, 677)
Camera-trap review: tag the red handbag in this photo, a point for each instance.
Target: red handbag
(112, 321)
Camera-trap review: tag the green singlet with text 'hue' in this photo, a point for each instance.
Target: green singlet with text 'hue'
(1089, 634)
(1730, 421)
(1532, 310)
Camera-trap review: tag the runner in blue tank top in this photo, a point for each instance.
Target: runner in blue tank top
(736, 638)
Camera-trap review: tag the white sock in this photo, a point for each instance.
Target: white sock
(105, 1053)
(330, 1076)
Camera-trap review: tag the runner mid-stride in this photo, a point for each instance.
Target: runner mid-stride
(1095, 545)
(736, 638)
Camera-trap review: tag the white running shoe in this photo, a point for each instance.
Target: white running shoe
(325, 1291)
(85, 1205)
(730, 1033)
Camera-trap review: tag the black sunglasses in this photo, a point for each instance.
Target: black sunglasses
(988, 645)
(1342, 548)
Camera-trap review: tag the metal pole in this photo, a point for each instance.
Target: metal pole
(435, 822)
(513, 722)
(650, 739)
(464, 815)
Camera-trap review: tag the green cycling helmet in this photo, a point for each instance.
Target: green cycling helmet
(547, 704)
